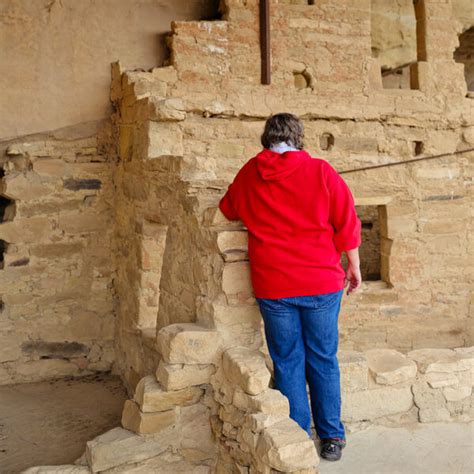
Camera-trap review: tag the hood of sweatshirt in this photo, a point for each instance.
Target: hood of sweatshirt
(273, 166)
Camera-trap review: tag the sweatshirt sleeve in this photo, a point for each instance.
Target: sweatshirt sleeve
(226, 204)
(343, 215)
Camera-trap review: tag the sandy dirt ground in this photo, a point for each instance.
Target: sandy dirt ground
(50, 422)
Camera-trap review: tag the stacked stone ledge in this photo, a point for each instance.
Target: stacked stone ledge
(384, 386)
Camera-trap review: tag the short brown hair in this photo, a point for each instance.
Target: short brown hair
(283, 127)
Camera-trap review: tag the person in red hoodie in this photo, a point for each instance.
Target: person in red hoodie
(300, 216)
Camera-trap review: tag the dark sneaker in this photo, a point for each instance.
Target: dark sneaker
(331, 448)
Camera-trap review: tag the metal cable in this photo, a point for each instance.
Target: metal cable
(422, 158)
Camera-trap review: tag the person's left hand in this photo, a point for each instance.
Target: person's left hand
(353, 278)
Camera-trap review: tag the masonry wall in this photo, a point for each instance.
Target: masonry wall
(56, 277)
(185, 130)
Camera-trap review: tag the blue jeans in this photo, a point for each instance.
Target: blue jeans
(302, 337)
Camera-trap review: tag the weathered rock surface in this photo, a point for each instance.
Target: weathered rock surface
(389, 366)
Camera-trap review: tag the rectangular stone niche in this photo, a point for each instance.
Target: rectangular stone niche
(375, 249)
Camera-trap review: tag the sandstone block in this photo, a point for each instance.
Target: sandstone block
(441, 379)
(119, 446)
(426, 397)
(258, 421)
(354, 370)
(270, 401)
(389, 366)
(236, 282)
(286, 447)
(440, 360)
(179, 376)
(232, 415)
(51, 167)
(371, 404)
(428, 415)
(63, 469)
(188, 343)
(167, 110)
(233, 245)
(164, 139)
(82, 222)
(25, 187)
(150, 396)
(33, 229)
(238, 325)
(455, 394)
(134, 419)
(246, 369)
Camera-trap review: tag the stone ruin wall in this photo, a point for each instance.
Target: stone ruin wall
(56, 279)
(50, 179)
(197, 120)
(189, 340)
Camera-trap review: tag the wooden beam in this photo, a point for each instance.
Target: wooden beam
(265, 40)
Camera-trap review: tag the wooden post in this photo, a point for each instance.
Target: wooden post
(265, 40)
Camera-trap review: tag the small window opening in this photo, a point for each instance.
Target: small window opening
(465, 54)
(326, 141)
(417, 148)
(373, 262)
(3, 249)
(398, 41)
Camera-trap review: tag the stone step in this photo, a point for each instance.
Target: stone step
(286, 447)
(442, 360)
(246, 369)
(390, 367)
(120, 446)
(135, 420)
(151, 397)
(179, 376)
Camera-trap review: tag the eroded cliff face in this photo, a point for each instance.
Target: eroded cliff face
(57, 54)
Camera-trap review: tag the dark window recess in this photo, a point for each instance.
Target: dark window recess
(418, 148)
(3, 249)
(369, 251)
(78, 184)
(326, 141)
(465, 54)
(7, 209)
(2, 305)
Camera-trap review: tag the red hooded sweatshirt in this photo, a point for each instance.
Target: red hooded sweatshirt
(300, 216)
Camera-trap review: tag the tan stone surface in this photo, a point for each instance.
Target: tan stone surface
(246, 369)
(64, 469)
(286, 447)
(179, 376)
(188, 344)
(151, 397)
(134, 419)
(390, 367)
(440, 360)
(370, 404)
(120, 446)
(270, 402)
(354, 370)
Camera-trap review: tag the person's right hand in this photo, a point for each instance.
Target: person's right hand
(353, 278)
